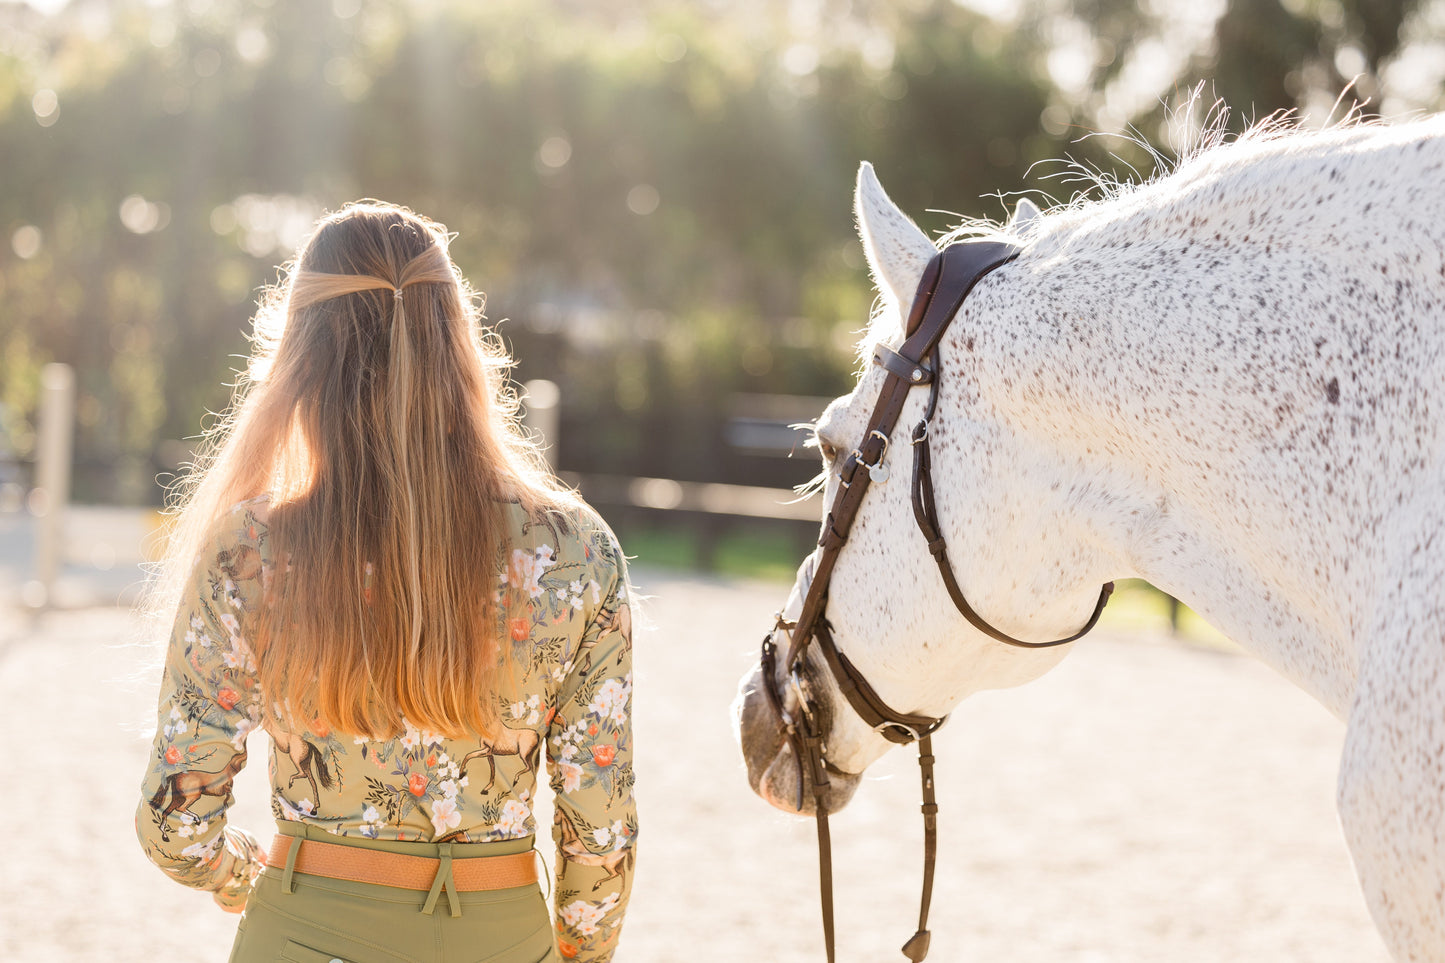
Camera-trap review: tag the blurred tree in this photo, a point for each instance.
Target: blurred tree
(654, 193)
(1137, 63)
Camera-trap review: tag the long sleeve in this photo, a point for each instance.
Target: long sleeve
(209, 702)
(590, 757)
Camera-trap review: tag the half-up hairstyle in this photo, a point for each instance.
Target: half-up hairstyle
(375, 417)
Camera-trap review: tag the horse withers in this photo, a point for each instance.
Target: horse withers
(1228, 381)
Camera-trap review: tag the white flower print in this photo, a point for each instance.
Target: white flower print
(292, 813)
(603, 835)
(526, 569)
(610, 702)
(411, 738)
(619, 835)
(239, 657)
(243, 729)
(372, 823)
(449, 789)
(202, 852)
(571, 774)
(197, 634)
(515, 815)
(583, 916)
(444, 815)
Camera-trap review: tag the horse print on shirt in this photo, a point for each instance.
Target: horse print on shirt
(189, 785)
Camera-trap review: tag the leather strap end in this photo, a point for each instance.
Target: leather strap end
(917, 947)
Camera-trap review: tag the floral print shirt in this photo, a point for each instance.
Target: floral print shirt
(563, 594)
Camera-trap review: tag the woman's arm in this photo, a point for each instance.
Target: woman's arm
(208, 704)
(590, 755)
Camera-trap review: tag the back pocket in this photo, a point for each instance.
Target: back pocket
(296, 953)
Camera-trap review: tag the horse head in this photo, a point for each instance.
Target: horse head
(887, 606)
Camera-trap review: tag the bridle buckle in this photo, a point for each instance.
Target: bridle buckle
(909, 732)
(877, 471)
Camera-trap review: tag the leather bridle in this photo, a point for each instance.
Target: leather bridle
(949, 277)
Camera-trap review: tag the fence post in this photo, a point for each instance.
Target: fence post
(541, 404)
(52, 476)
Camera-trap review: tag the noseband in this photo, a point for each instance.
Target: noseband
(949, 277)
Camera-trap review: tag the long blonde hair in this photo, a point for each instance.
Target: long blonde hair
(375, 416)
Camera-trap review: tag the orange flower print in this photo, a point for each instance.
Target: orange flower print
(321, 729)
(227, 698)
(604, 754)
(520, 628)
(173, 755)
(592, 729)
(431, 760)
(568, 950)
(416, 782)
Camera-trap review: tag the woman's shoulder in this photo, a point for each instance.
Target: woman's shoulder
(244, 527)
(573, 532)
(250, 519)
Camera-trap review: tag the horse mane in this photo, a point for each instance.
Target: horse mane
(1191, 142)
(1197, 148)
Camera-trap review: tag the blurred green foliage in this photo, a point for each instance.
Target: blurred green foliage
(654, 195)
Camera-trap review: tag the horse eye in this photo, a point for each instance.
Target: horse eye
(830, 452)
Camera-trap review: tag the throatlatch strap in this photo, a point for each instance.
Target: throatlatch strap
(925, 513)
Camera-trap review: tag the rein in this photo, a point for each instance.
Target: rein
(949, 277)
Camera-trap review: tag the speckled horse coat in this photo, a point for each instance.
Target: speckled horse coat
(1228, 381)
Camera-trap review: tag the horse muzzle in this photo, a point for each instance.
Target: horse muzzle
(774, 770)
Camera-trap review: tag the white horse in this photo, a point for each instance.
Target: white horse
(1229, 381)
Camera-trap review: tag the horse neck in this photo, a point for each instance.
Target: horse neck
(1210, 357)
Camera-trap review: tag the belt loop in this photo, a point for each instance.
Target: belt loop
(288, 884)
(443, 882)
(545, 871)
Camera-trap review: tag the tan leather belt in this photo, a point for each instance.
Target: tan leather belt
(400, 870)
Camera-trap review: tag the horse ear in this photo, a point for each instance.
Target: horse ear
(897, 250)
(1024, 213)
